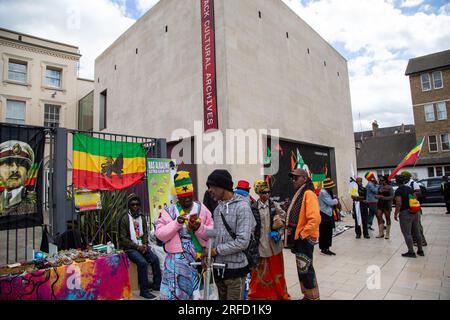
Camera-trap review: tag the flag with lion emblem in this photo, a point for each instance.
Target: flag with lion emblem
(100, 164)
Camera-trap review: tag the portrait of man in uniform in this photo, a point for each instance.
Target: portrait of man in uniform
(16, 161)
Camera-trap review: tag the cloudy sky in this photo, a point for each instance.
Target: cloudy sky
(377, 37)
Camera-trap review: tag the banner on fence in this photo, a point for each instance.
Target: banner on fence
(161, 189)
(86, 200)
(21, 157)
(100, 164)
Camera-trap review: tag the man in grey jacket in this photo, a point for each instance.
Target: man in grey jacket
(233, 210)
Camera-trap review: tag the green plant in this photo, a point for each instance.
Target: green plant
(114, 204)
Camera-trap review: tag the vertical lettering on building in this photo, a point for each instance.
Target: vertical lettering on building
(209, 66)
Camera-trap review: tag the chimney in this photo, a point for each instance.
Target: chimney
(374, 128)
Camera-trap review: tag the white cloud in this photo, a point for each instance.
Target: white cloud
(379, 39)
(90, 25)
(411, 3)
(144, 5)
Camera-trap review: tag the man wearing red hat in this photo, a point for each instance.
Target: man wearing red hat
(243, 189)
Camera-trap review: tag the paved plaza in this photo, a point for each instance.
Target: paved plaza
(344, 276)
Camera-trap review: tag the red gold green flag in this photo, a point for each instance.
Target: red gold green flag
(106, 165)
(409, 159)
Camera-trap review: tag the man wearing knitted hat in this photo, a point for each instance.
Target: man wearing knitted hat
(234, 224)
(327, 202)
(372, 201)
(267, 279)
(182, 228)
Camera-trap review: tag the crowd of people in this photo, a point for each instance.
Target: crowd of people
(250, 234)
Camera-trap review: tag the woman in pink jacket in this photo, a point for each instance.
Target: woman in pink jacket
(182, 228)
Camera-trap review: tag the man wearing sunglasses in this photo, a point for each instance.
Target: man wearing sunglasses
(133, 239)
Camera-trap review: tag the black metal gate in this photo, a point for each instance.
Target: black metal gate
(16, 244)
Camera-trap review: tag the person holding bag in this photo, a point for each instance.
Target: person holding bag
(407, 208)
(267, 280)
(182, 228)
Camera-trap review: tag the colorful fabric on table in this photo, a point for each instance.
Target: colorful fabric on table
(268, 281)
(105, 278)
(179, 278)
(100, 164)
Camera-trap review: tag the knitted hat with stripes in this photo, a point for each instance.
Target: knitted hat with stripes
(369, 176)
(183, 184)
(328, 183)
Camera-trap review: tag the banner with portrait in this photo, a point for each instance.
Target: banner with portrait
(21, 169)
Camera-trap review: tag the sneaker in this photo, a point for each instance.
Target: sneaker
(409, 255)
(370, 228)
(331, 252)
(148, 295)
(421, 253)
(358, 236)
(367, 237)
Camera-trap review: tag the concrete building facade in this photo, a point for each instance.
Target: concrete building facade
(273, 72)
(40, 84)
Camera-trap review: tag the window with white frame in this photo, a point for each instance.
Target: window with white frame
(432, 144)
(425, 80)
(17, 71)
(53, 77)
(437, 80)
(51, 115)
(441, 110)
(15, 111)
(445, 142)
(429, 112)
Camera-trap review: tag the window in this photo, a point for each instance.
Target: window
(429, 112)
(15, 111)
(447, 170)
(86, 112)
(53, 77)
(17, 71)
(425, 79)
(103, 108)
(438, 174)
(437, 80)
(430, 172)
(441, 111)
(51, 115)
(445, 142)
(432, 143)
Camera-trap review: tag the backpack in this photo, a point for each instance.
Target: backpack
(414, 204)
(252, 251)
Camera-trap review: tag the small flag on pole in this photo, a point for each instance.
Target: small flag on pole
(409, 159)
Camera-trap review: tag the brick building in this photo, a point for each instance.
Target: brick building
(430, 91)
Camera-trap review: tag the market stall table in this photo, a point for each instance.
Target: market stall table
(105, 278)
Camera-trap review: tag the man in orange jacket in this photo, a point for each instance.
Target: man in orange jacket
(302, 231)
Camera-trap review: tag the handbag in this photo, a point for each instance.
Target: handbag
(198, 293)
